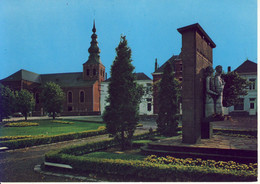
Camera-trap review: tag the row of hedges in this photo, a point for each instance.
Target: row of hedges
(140, 170)
(28, 141)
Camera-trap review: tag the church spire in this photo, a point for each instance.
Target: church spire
(94, 28)
(94, 49)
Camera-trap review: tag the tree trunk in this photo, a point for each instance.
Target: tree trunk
(53, 115)
(25, 115)
(122, 140)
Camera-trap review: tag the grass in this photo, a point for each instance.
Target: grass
(47, 127)
(122, 156)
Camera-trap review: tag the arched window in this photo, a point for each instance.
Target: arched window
(94, 71)
(70, 97)
(82, 97)
(87, 72)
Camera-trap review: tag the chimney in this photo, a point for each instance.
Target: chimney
(156, 65)
(229, 69)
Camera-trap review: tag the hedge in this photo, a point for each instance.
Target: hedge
(28, 141)
(140, 170)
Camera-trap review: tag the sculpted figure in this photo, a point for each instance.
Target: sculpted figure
(219, 86)
(211, 95)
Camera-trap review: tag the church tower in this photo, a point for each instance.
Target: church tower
(93, 69)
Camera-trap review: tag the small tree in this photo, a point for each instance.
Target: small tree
(121, 115)
(235, 87)
(169, 94)
(52, 98)
(7, 102)
(24, 102)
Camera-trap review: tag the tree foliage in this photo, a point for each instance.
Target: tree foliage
(24, 102)
(169, 96)
(52, 98)
(121, 115)
(235, 87)
(7, 102)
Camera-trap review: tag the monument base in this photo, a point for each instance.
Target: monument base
(206, 130)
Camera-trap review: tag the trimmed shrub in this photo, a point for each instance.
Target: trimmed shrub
(28, 141)
(144, 170)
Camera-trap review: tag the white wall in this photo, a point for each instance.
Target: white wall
(143, 107)
(251, 94)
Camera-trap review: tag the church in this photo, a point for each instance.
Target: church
(82, 89)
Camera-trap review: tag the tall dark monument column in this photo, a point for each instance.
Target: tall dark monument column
(196, 55)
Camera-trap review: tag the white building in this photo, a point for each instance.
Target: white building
(248, 103)
(146, 105)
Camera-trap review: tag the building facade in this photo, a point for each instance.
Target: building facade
(82, 89)
(146, 105)
(248, 103)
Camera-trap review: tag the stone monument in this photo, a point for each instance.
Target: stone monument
(197, 48)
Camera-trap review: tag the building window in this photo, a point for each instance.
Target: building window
(87, 72)
(94, 72)
(70, 97)
(148, 88)
(37, 99)
(149, 107)
(252, 85)
(239, 105)
(82, 97)
(149, 99)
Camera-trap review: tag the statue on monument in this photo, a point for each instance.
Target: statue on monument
(219, 87)
(214, 91)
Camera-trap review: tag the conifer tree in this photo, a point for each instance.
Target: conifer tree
(121, 115)
(235, 87)
(169, 95)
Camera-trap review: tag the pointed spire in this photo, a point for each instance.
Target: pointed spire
(94, 28)
(94, 49)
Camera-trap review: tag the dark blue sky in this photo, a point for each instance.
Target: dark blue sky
(53, 36)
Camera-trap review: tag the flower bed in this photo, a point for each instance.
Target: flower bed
(21, 124)
(62, 122)
(147, 170)
(230, 165)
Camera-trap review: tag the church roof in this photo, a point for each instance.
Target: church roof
(139, 76)
(62, 79)
(247, 67)
(171, 60)
(23, 75)
(66, 79)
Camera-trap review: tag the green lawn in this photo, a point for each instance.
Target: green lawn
(46, 127)
(108, 155)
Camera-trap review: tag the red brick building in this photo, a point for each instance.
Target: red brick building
(176, 62)
(82, 89)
